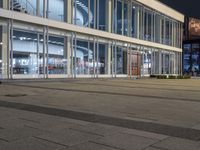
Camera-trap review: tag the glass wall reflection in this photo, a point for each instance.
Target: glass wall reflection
(191, 59)
(90, 58)
(57, 59)
(56, 10)
(24, 6)
(24, 53)
(1, 3)
(90, 13)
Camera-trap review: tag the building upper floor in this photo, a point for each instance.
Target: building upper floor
(147, 20)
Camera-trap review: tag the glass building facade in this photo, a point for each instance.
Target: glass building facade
(191, 58)
(87, 38)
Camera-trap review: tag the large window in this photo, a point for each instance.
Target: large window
(83, 61)
(56, 10)
(24, 53)
(134, 15)
(119, 17)
(119, 60)
(89, 58)
(81, 12)
(101, 15)
(167, 32)
(148, 25)
(146, 62)
(24, 6)
(1, 3)
(126, 21)
(90, 13)
(187, 58)
(57, 60)
(102, 59)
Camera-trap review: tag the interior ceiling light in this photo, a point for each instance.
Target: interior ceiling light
(22, 38)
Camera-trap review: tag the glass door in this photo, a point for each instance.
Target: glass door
(134, 63)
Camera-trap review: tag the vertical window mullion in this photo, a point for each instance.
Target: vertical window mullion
(75, 50)
(38, 57)
(47, 51)
(115, 58)
(97, 14)
(97, 73)
(11, 48)
(89, 13)
(94, 48)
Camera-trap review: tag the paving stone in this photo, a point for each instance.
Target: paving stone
(178, 144)
(145, 134)
(18, 133)
(153, 148)
(99, 129)
(2, 144)
(91, 146)
(197, 127)
(6, 114)
(125, 141)
(53, 126)
(32, 144)
(68, 137)
(12, 123)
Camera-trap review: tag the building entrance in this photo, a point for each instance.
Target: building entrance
(134, 64)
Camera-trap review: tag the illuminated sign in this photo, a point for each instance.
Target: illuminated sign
(194, 27)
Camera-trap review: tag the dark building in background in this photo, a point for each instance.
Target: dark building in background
(191, 39)
(191, 47)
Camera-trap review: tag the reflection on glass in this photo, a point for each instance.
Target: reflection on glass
(92, 17)
(24, 53)
(101, 15)
(1, 3)
(25, 6)
(121, 61)
(119, 17)
(125, 19)
(167, 32)
(82, 58)
(102, 59)
(81, 13)
(57, 61)
(56, 10)
(134, 21)
(146, 61)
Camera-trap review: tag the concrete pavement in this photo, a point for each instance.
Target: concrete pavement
(103, 114)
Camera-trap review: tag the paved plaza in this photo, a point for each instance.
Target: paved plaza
(100, 114)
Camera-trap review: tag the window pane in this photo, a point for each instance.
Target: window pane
(92, 14)
(134, 21)
(1, 3)
(102, 15)
(121, 61)
(103, 58)
(24, 6)
(56, 10)
(24, 53)
(57, 61)
(81, 13)
(82, 59)
(119, 17)
(125, 19)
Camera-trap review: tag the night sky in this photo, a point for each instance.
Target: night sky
(189, 8)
